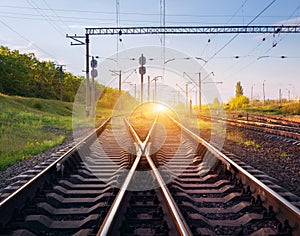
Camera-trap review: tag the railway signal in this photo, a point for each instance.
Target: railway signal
(142, 71)
(94, 74)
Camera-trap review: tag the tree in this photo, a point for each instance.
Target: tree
(238, 102)
(238, 89)
(216, 101)
(25, 75)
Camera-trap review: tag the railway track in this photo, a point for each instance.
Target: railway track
(284, 121)
(155, 179)
(279, 127)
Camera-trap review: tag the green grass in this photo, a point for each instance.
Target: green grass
(251, 143)
(284, 155)
(287, 108)
(238, 138)
(29, 126)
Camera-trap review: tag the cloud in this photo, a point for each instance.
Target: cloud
(293, 21)
(28, 48)
(24, 48)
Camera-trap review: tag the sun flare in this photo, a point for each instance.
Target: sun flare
(160, 108)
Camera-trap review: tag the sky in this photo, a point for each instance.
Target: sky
(257, 60)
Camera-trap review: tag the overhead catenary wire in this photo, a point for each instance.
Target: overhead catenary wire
(139, 13)
(284, 36)
(93, 20)
(236, 35)
(146, 20)
(56, 15)
(38, 9)
(89, 12)
(250, 53)
(227, 22)
(268, 50)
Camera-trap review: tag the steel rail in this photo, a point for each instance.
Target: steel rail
(285, 210)
(276, 120)
(112, 214)
(5, 207)
(179, 219)
(176, 214)
(143, 148)
(263, 127)
(260, 126)
(107, 223)
(256, 123)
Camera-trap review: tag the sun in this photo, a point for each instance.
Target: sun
(160, 108)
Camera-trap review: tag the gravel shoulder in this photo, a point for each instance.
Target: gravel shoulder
(273, 156)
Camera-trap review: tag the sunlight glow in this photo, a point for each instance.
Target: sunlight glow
(160, 108)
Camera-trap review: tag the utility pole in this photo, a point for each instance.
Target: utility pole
(134, 86)
(280, 95)
(148, 88)
(174, 98)
(142, 88)
(87, 75)
(134, 93)
(200, 92)
(120, 90)
(182, 90)
(264, 96)
(61, 73)
(60, 81)
(289, 95)
(191, 108)
(187, 95)
(119, 74)
(155, 79)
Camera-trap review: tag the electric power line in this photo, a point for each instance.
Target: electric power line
(59, 18)
(38, 9)
(274, 45)
(140, 14)
(26, 39)
(226, 44)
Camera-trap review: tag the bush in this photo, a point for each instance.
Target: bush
(291, 109)
(238, 102)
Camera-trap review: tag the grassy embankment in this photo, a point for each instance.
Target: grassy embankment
(286, 109)
(29, 126)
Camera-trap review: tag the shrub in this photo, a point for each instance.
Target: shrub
(291, 109)
(238, 102)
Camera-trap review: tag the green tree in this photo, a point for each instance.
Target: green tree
(70, 86)
(238, 102)
(25, 75)
(216, 102)
(238, 89)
